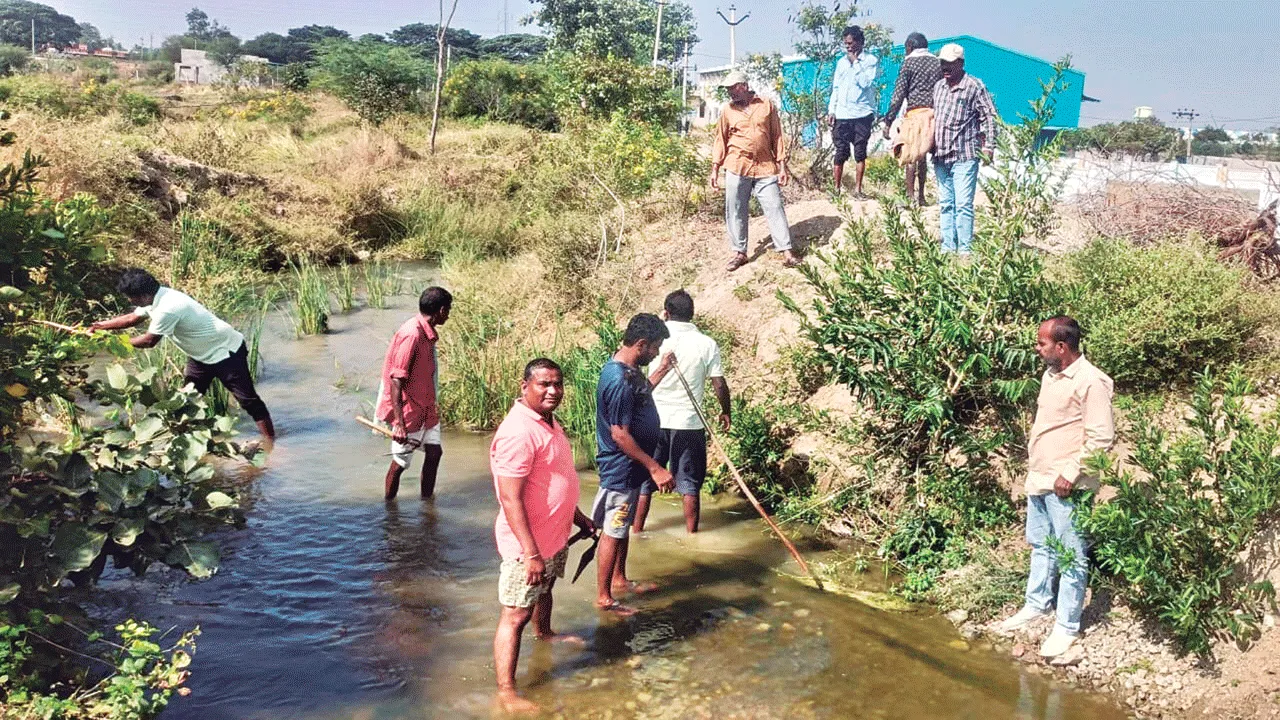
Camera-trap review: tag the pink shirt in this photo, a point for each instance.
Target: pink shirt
(411, 358)
(526, 446)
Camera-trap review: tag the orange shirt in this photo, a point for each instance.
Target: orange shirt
(411, 358)
(749, 140)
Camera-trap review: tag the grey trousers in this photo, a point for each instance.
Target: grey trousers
(737, 198)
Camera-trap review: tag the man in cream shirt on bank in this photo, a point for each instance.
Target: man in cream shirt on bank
(1073, 421)
(683, 449)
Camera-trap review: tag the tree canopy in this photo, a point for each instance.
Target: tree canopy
(618, 28)
(1145, 139)
(52, 27)
(298, 46)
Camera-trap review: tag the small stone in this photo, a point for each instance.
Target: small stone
(1071, 657)
(1269, 620)
(635, 662)
(599, 682)
(630, 704)
(958, 616)
(959, 645)
(644, 697)
(782, 603)
(764, 627)
(788, 627)
(801, 613)
(1018, 650)
(970, 631)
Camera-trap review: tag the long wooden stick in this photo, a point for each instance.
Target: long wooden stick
(64, 328)
(742, 485)
(383, 431)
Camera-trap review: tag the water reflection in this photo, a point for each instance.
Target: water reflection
(1038, 700)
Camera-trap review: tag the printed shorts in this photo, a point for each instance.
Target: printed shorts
(613, 511)
(514, 589)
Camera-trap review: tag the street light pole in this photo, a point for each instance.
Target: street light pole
(734, 21)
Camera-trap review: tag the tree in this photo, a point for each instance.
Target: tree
(12, 59)
(52, 27)
(422, 39)
(274, 47)
(201, 28)
(374, 79)
(1145, 139)
(225, 51)
(91, 37)
(517, 48)
(1212, 134)
(441, 35)
(618, 28)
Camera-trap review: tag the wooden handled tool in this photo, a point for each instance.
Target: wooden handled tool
(383, 431)
(742, 485)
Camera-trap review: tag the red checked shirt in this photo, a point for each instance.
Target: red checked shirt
(411, 358)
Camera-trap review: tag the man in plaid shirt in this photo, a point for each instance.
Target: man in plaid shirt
(964, 132)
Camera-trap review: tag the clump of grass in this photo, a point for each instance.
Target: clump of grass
(311, 299)
(345, 289)
(438, 230)
(380, 283)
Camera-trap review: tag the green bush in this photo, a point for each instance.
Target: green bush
(1169, 543)
(1155, 316)
(13, 59)
(503, 91)
(139, 109)
(600, 88)
(374, 79)
(883, 171)
(436, 229)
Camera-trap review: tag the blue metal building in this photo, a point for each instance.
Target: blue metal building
(1012, 77)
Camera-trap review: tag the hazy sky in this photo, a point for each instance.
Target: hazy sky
(1219, 57)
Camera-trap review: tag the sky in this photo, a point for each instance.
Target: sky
(1218, 57)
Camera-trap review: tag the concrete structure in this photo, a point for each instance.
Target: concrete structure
(197, 68)
(1143, 112)
(708, 96)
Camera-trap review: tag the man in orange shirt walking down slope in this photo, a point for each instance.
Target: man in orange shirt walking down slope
(751, 148)
(407, 395)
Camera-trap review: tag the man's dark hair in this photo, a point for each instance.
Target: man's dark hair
(854, 32)
(136, 282)
(1065, 329)
(916, 41)
(540, 364)
(645, 326)
(434, 299)
(679, 306)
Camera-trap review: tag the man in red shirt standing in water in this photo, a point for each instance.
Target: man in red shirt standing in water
(537, 485)
(407, 395)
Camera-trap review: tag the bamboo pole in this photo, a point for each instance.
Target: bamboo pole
(383, 431)
(64, 328)
(742, 485)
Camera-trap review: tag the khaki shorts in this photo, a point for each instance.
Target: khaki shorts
(513, 587)
(403, 454)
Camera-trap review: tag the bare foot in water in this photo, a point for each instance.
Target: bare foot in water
(615, 607)
(512, 703)
(639, 588)
(562, 638)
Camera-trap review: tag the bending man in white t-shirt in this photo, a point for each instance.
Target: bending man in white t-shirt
(683, 449)
(214, 349)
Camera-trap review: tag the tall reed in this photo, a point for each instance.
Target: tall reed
(381, 281)
(311, 299)
(345, 288)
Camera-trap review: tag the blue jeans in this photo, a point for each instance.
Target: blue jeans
(1049, 516)
(957, 185)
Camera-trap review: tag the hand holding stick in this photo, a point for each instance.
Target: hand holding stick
(383, 431)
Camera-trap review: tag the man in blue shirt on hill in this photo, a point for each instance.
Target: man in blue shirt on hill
(627, 435)
(851, 111)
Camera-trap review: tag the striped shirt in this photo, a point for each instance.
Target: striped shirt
(965, 122)
(920, 72)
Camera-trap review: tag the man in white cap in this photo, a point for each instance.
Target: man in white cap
(964, 131)
(750, 146)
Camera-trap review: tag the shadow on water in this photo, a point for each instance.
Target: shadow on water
(332, 603)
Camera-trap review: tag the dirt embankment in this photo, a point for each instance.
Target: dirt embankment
(1117, 653)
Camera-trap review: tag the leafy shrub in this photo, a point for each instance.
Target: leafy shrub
(756, 447)
(884, 171)
(634, 156)
(600, 88)
(295, 77)
(374, 79)
(13, 59)
(942, 351)
(139, 109)
(1157, 315)
(435, 229)
(60, 98)
(503, 91)
(1170, 541)
(284, 107)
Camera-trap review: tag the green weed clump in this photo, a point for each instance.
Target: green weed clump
(1169, 543)
(1155, 316)
(311, 299)
(345, 288)
(381, 281)
(439, 230)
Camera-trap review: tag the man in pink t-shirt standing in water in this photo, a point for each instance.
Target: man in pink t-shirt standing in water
(537, 485)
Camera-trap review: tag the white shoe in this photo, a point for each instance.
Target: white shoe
(1019, 620)
(1058, 643)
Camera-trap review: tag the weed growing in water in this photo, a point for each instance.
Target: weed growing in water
(380, 282)
(345, 288)
(311, 299)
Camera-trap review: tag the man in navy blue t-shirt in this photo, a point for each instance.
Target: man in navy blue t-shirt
(627, 435)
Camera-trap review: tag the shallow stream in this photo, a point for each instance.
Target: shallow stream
(334, 604)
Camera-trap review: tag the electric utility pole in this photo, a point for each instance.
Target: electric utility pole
(734, 21)
(1190, 116)
(33, 36)
(684, 91)
(657, 34)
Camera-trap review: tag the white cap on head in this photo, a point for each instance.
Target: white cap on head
(733, 78)
(951, 52)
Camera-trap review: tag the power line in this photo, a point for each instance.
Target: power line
(1189, 115)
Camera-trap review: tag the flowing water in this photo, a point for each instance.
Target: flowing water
(334, 604)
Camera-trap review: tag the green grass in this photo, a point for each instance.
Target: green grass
(311, 299)
(438, 230)
(381, 281)
(344, 290)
